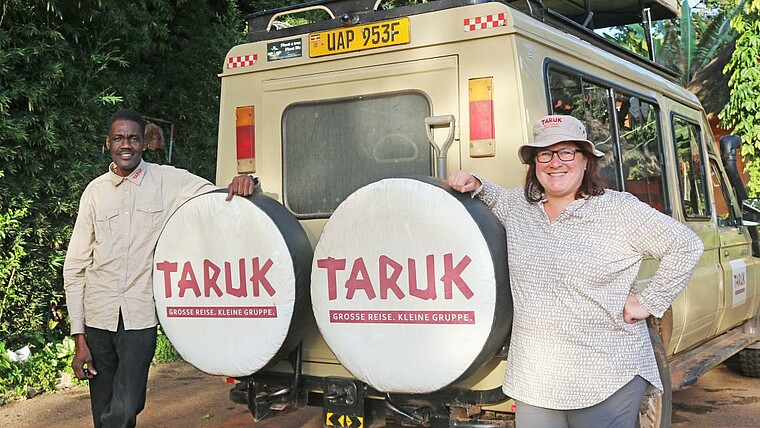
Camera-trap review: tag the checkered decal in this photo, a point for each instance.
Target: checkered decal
(241, 61)
(483, 22)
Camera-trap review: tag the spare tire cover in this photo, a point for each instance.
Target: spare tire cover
(410, 285)
(230, 281)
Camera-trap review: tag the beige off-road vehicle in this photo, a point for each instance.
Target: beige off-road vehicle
(356, 281)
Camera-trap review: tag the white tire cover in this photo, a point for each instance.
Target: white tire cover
(406, 338)
(214, 322)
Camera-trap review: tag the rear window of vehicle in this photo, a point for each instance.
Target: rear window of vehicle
(333, 147)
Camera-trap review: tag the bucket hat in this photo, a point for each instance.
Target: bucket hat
(553, 129)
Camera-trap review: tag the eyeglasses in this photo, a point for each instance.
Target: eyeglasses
(565, 155)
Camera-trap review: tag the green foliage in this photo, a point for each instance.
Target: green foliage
(685, 45)
(12, 238)
(183, 86)
(65, 66)
(717, 33)
(41, 372)
(253, 6)
(165, 352)
(742, 113)
(688, 38)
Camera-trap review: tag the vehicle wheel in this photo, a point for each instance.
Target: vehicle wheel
(656, 409)
(746, 362)
(239, 393)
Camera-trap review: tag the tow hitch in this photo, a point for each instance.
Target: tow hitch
(343, 403)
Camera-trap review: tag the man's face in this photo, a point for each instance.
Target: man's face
(125, 142)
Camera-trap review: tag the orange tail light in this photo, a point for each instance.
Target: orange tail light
(482, 139)
(245, 126)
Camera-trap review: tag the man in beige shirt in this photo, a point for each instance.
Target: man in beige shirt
(107, 272)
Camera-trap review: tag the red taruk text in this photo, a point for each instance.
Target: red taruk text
(389, 272)
(210, 272)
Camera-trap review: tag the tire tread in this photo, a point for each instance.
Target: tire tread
(746, 363)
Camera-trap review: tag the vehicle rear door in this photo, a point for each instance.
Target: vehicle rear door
(346, 127)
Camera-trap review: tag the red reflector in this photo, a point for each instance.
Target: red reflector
(245, 146)
(245, 134)
(230, 380)
(481, 120)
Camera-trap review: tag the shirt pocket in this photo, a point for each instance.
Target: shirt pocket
(106, 224)
(150, 216)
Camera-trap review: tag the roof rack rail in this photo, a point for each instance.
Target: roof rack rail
(262, 25)
(581, 27)
(577, 18)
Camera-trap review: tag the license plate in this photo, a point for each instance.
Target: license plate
(370, 36)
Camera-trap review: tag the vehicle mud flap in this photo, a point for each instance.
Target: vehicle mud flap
(410, 285)
(231, 282)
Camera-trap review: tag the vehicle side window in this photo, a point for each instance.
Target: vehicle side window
(333, 147)
(622, 125)
(691, 168)
(588, 102)
(723, 210)
(640, 150)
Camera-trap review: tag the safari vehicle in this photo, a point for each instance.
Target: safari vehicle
(388, 310)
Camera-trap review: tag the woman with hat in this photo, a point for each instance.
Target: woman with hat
(580, 353)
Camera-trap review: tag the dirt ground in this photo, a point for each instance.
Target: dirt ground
(180, 396)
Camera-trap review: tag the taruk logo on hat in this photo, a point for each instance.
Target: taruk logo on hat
(553, 129)
(566, 125)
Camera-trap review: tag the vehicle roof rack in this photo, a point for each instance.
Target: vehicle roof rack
(262, 25)
(582, 27)
(604, 13)
(576, 17)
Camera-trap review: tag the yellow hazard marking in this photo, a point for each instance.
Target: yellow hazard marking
(344, 421)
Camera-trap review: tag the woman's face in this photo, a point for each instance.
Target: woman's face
(560, 178)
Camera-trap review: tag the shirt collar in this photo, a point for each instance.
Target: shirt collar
(135, 177)
(574, 209)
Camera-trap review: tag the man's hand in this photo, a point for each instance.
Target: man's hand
(464, 182)
(82, 363)
(633, 311)
(242, 185)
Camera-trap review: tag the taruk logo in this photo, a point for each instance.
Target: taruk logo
(389, 272)
(210, 277)
(551, 119)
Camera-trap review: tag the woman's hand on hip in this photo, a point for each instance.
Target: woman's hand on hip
(633, 311)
